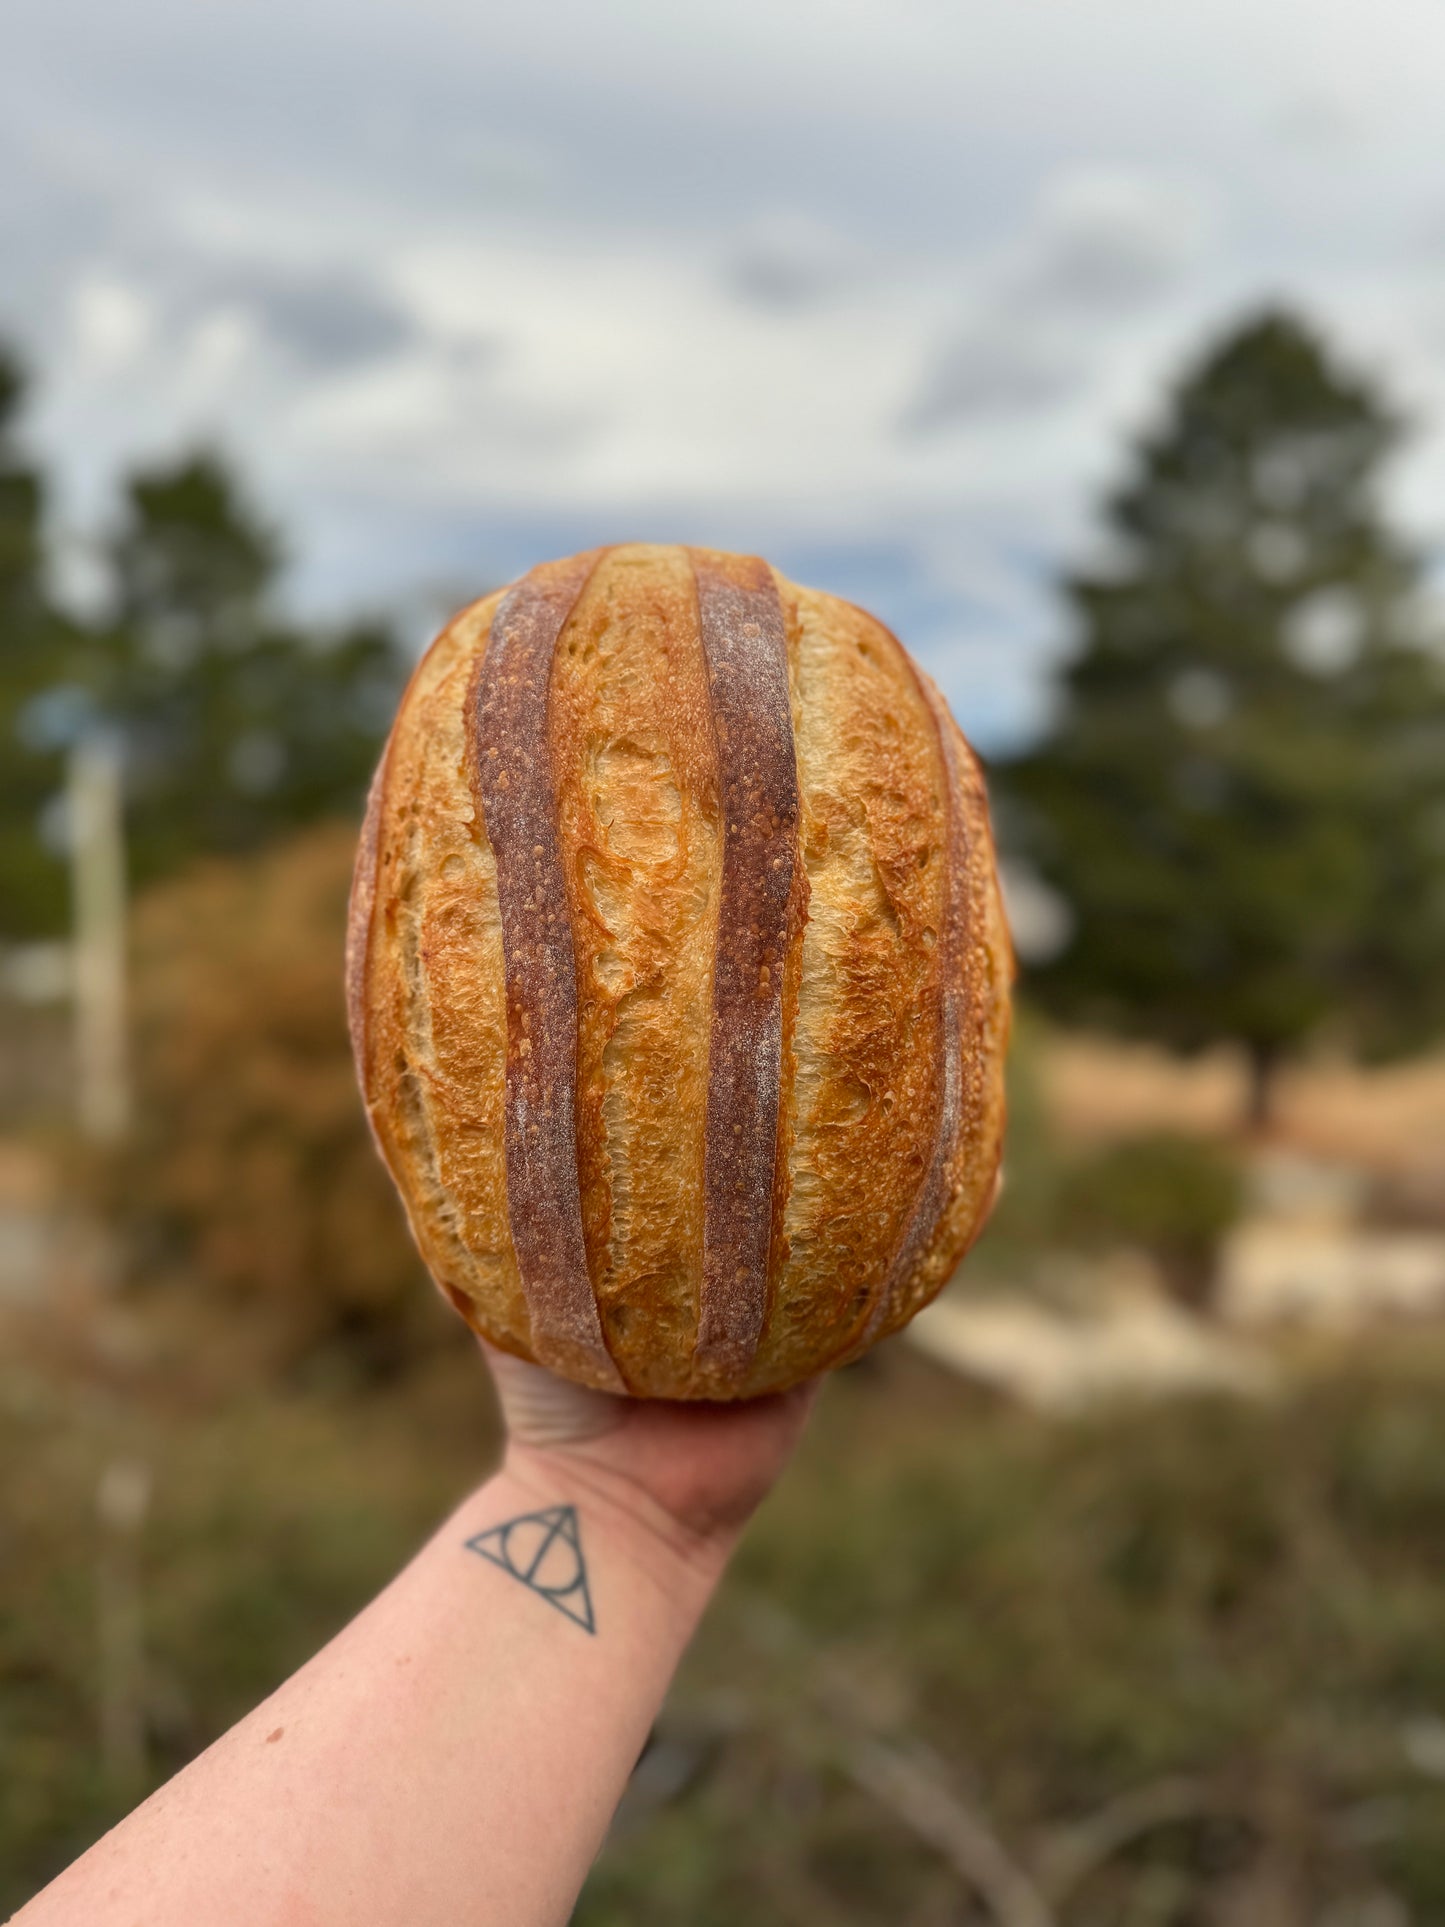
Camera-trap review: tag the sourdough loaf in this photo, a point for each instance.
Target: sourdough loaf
(677, 974)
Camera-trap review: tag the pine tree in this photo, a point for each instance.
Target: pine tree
(32, 649)
(235, 725)
(1242, 792)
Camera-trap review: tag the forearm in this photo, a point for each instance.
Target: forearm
(453, 1756)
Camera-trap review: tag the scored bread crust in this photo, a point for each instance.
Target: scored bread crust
(762, 900)
(767, 834)
(508, 724)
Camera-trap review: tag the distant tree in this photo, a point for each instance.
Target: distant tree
(236, 725)
(32, 646)
(1242, 792)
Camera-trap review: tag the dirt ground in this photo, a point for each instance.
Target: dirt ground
(1389, 1119)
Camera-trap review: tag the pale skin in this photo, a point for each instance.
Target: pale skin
(456, 1753)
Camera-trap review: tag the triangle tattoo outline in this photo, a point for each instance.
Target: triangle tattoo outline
(558, 1522)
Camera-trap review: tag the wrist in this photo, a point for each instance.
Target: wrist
(685, 1562)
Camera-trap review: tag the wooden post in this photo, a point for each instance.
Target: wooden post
(122, 1499)
(97, 863)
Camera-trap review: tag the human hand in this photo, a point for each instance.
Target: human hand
(690, 1472)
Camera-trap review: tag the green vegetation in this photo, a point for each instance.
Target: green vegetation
(276, 1515)
(1244, 1602)
(1235, 1613)
(1243, 795)
(237, 726)
(1169, 1196)
(32, 884)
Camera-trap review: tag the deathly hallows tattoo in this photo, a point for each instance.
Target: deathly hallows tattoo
(544, 1551)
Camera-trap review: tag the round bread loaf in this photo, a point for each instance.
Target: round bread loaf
(677, 974)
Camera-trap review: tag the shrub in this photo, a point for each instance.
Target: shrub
(251, 1170)
(1170, 1195)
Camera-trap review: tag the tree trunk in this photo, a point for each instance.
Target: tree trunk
(1263, 1061)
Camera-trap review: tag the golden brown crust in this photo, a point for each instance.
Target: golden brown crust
(873, 1119)
(984, 970)
(957, 932)
(638, 823)
(868, 1069)
(434, 1031)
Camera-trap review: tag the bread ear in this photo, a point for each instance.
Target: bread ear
(360, 908)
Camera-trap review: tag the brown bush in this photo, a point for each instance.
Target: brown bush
(251, 1170)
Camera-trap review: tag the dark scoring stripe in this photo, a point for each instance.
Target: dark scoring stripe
(933, 1189)
(744, 643)
(517, 796)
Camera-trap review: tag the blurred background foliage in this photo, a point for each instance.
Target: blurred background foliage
(237, 725)
(32, 639)
(1159, 1660)
(251, 1169)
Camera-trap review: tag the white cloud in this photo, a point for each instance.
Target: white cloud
(325, 319)
(786, 260)
(1319, 123)
(460, 282)
(111, 323)
(1101, 246)
(993, 368)
(1110, 239)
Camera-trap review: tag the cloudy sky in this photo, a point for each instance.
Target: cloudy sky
(877, 287)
